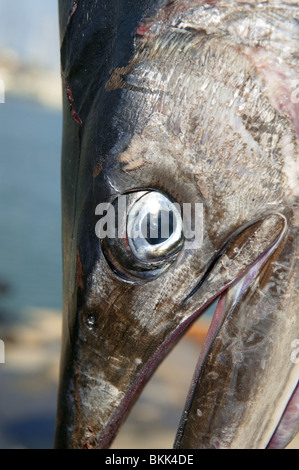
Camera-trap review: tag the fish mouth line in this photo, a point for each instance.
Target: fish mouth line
(238, 287)
(230, 293)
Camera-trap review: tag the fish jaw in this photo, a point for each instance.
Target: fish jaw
(288, 425)
(113, 359)
(244, 393)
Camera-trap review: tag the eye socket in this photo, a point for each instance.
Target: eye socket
(147, 237)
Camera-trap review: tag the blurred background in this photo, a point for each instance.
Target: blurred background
(30, 249)
(30, 240)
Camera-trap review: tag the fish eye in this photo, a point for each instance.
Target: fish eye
(154, 227)
(148, 235)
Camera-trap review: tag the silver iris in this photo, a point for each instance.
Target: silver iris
(154, 227)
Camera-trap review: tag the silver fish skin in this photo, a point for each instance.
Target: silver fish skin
(204, 109)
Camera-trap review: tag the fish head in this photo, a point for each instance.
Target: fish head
(193, 125)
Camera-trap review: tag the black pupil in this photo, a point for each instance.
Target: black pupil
(157, 228)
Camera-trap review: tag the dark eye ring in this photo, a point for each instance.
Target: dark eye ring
(148, 235)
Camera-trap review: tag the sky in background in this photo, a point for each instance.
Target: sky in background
(30, 28)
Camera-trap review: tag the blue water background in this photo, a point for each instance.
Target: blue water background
(30, 213)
